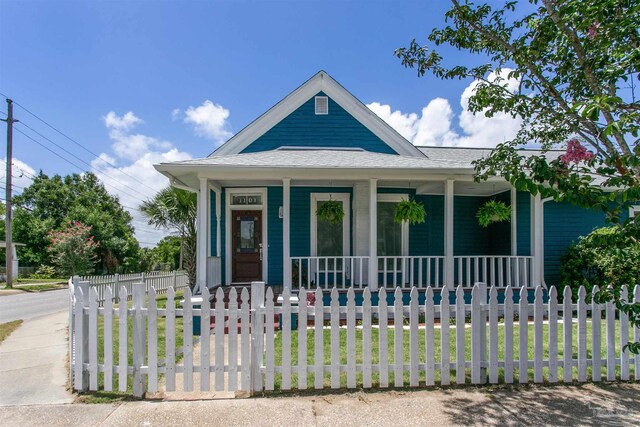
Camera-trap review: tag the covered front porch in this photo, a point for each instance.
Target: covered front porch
(285, 245)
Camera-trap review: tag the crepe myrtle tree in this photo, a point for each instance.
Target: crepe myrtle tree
(569, 70)
(73, 248)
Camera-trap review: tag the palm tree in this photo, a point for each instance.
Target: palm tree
(176, 209)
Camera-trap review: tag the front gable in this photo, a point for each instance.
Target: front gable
(292, 122)
(305, 128)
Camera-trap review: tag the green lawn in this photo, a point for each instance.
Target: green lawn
(104, 396)
(422, 351)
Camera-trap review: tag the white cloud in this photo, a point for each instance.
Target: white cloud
(209, 120)
(22, 175)
(434, 125)
(129, 172)
(127, 145)
(122, 123)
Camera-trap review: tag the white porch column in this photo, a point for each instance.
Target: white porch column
(448, 233)
(514, 222)
(218, 224)
(373, 234)
(536, 240)
(286, 239)
(201, 245)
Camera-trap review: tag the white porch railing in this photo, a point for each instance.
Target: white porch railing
(408, 271)
(214, 271)
(329, 272)
(500, 271)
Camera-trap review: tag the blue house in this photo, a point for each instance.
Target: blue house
(259, 192)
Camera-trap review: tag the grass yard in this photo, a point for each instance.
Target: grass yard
(422, 351)
(8, 327)
(105, 396)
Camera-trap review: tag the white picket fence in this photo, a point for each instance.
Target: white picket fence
(161, 281)
(386, 343)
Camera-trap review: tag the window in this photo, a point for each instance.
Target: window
(393, 238)
(634, 211)
(330, 236)
(322, 105)
(389, 231)
(329, 239)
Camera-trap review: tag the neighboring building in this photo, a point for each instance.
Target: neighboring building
(258, 194)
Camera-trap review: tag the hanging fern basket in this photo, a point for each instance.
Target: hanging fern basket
(410, 211)
(492, 212)
(330, 211)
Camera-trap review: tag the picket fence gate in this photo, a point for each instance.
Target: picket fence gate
(247, 358)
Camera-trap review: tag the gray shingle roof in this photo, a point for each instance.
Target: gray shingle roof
(320, 158)
(467, 155)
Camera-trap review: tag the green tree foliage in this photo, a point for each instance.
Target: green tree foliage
(576, 65)
(164, 256)
(49, 203)
(73, 249)
(604, 257)
(176, 209)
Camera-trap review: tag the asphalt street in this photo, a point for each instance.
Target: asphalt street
(32, 305)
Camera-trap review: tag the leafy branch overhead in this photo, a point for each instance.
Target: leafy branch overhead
(569, 70)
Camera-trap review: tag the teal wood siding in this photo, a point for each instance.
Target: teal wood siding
(274, 235)
(428, 238)
(304, 128)
(300, 226)
(564, 224)
(523, 212)
(499, 234)
(469, 238)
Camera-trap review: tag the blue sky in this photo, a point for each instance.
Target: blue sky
(81, 66)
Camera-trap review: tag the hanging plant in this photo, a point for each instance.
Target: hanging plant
(493, 211)
(410, 211)
(330, 211)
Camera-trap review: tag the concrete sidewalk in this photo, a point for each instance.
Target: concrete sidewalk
(33, 362)
(611, 404)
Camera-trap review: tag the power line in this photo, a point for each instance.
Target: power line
(78, 158)
(80, 145)
(70, 162)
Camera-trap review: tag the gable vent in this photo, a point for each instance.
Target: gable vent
(322, 105)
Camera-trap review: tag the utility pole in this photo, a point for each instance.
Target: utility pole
(8, 238)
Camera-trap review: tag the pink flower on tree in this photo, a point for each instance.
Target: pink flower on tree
(593, 30)
(576, 153)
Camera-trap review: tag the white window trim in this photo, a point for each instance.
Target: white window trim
(346, 231)
(229, 192)
(634, 210)
(396, 198)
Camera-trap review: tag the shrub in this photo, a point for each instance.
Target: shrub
(604, 257)
(44, 272)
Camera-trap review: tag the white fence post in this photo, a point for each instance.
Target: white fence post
(257, 335)
(476, 330)
(73, 282)
(138, 339)
(84, 334)
(484, 311)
